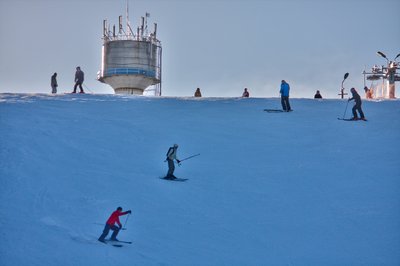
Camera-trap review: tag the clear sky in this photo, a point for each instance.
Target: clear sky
(220, 46)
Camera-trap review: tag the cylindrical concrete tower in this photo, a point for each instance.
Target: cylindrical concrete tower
(130, 62)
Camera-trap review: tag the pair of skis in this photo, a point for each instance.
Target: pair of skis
(349, 119)
(176, 178)
(276, 111)
(117, 244)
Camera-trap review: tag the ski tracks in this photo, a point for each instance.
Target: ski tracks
(40, 201)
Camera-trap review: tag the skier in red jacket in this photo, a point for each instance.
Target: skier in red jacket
(110, 224)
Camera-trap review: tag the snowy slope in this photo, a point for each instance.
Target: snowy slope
(299, 188)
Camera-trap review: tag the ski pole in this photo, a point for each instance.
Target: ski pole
(87, 88)
(190, 157)
(345, 110)
(127, 217)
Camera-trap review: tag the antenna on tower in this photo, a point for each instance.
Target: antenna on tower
(147, 16)
(155, 31)
(120, 25)
(127, 18)
(128, 22)
(105, 29)
(142, 28)
(127, 12)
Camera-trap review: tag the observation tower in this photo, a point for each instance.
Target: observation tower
(131, 61)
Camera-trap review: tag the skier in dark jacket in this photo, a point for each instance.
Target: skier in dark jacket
(110, 225)
(79, 77)
(285, 88)
(357, 106)
(171, 156)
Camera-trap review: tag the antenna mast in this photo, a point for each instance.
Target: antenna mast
(128, 23)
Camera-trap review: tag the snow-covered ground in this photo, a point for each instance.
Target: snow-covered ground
(299, 188)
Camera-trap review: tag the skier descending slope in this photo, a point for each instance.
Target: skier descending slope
(110, 225)
(357, 106)
(171, 156)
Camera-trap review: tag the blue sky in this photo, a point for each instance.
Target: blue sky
(220, 46)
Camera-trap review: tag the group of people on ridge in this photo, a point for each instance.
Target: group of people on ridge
(284, 92)
(79, 78)
(285, 88)
(245, 94)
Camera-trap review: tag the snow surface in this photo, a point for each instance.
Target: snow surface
(299, 188)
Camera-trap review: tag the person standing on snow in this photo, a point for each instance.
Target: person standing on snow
(357, 106)
(368, 92)
(110, 225)
(79, 77)
(285, 88)
(245, 94)
(53, 83)
(197, 93)
(171, 156)
(317, 95)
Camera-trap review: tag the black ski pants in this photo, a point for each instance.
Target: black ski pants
(357, 107)
(285, 103)
(107, 229)
(78, 83)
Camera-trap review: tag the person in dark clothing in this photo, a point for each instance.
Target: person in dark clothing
(110, 225)
(357, 106)
(317, 95)
(246, 93)
(171, 156)
(79, 77)
(53, 83)
(197, 93)
(285, 88)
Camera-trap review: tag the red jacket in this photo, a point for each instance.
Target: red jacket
(114, 218)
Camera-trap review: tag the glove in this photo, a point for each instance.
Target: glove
(129, 211)
(178, 161)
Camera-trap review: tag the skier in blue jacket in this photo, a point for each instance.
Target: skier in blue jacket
(285, 88)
